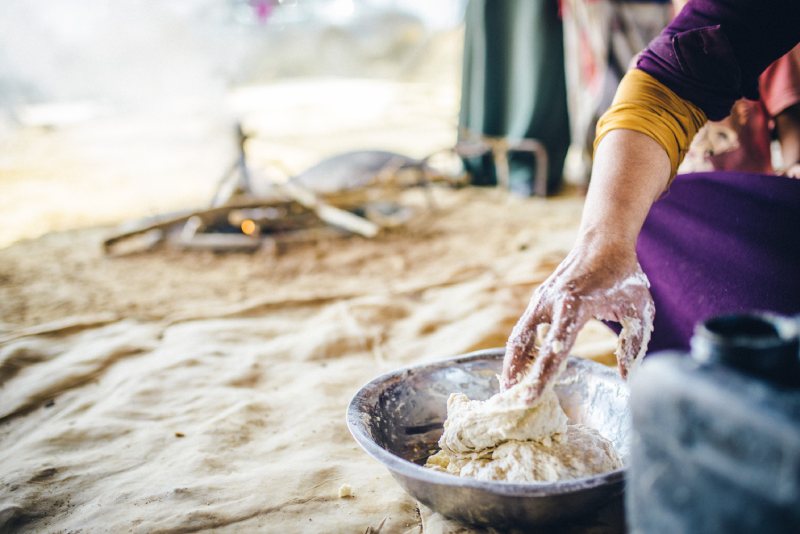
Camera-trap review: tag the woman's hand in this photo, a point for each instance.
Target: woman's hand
(598, 279)
(792, 171)
(601, 276)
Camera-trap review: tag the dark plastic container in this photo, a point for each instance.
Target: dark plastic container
(716, 434)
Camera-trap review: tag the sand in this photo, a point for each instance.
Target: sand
(181, 391)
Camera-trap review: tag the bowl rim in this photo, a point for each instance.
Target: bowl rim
(409, 469)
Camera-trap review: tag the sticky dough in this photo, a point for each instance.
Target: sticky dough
(503, 439)
(473, 425)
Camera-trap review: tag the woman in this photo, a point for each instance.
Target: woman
(708, 57)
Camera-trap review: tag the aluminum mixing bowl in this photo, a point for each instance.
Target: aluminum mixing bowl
(397, 418)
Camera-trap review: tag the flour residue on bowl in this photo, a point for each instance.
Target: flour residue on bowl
(506, 439)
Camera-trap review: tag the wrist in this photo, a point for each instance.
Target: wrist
(594, 238)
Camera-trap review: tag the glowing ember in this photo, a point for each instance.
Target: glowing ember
(248, 227)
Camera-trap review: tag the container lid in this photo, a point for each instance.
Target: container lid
(759, 344)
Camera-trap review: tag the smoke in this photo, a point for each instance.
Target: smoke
(144, 53)
(123, 53)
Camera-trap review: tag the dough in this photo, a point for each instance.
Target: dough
(503, 439)
(579, 452)
(345, 491)
(479, 425)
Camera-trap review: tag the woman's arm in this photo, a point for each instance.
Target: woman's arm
(707, 58)
(601, 276)
(641, 140)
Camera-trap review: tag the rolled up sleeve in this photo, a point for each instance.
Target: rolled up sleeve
(714, 51)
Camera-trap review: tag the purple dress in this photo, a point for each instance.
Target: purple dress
(713, 52)
(721, 242)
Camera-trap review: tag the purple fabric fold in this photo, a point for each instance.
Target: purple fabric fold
(717, 243)
(714, 50)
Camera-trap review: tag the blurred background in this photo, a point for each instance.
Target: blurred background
(110, 111)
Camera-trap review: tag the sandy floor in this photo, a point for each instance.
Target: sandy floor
(475, 233)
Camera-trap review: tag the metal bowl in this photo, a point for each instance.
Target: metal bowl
(397, 418)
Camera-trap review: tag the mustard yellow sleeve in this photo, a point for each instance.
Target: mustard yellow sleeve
(645, 105)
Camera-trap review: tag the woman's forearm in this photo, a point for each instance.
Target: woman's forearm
(600, 277)
(630, 172)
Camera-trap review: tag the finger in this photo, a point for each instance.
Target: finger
(793, 171)
(567, 322)
(522, 345)
(522, 348)
(635, 334)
